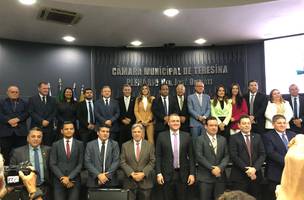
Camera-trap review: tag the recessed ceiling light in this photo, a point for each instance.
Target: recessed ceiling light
(136, 43)
(172, 12)
(200, 41)
(69, 38)
(28, 2)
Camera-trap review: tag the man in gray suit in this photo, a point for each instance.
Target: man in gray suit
(137, 160)
(102, 160)
(199, 109)
(66, 162)
(212, 157)
(107, 112)
(38, 155)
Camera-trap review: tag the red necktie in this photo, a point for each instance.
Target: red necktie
(68, 149)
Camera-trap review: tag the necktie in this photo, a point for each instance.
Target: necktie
(102, 155)
(200, 99)
(175, 151)
(37, 165)
(44, 99)
(214, 144)
(91, 121)
(107, 101)
(127, 103)
(285, 141)
(68, 149)
(251, 105)
(181, 102)
(165, 106)
(248, 144)
(137, 151)
(295, 107)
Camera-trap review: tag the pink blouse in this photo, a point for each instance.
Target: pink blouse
(237, 112)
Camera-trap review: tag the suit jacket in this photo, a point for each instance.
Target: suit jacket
(9, 110)
(206, 158)
(271, 110)
(301, 114)
(146, 164)
(40, 111)
(22, 154)
(61, 165)
(276, 151)
(183, 112)
(123, 110)
(195, 110)
(66, 112)
(82, 115)
(93, 161)
(217, 111)
(164, 156)
(159, 114)
(141, 114)
(259, 107)
(110, 112)
(240, 157)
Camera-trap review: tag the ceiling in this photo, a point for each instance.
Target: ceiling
(116, 23)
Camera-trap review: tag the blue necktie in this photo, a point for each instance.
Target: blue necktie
(285, 141)
(37, 165)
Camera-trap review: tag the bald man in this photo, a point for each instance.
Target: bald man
(13, 116)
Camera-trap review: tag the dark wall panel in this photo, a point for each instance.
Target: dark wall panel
(25, 64)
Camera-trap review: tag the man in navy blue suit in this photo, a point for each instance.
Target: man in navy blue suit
(276, 142)
(297, 103)
(13, 116)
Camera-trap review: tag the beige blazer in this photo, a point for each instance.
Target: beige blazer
(141, 114)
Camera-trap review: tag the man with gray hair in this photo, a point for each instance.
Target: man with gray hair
(297, 103)
(137, 160)
(13, 116)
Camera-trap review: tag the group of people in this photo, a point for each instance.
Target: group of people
(175, 140)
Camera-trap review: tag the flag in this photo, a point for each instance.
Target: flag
(50, 91)
(74, 92)
(60, 91)
(81, 97)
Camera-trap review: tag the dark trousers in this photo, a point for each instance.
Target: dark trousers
(48, 137)
(9, 143)
(175, 189)
(114, 136)
(271, 190)
(139, 194)
(251, 187)
(63, 193)
(124, 134)
(86, 136)
(210, 191)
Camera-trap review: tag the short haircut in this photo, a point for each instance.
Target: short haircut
(236, 195)
(163, 84)
(198, 81)
(142, 128)
(106, 86)
(87, 89)
(35, 129)
(210, 118)
(126, 85)
(67, 122)
(180, 84)
(103, 126)
(277, 117)
(173, 114)
(251, 81)
(244, 117)
(42, 83)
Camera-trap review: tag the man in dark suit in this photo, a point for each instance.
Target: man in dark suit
(38, 155)
(127, 116)
(162, 107)
(137, 160)
(66, 161)
(256, 103)
(175, 166)
(182, 108)
(248, 155)
(13, 116)
(297, 103)
(212, 156)
(102, 160)
(42, 109)
(107, 112)
(276, 145)
(86, 118)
